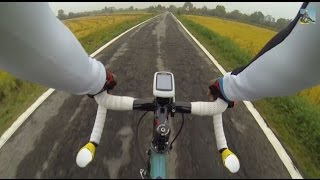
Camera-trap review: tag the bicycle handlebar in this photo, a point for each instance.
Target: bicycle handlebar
(125, 103)
(119, 103)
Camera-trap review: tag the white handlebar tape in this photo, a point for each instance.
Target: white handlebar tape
(208, 108)
(107, 101)
(214, 109)
(218, 130)
(98, 125)
(120, 103)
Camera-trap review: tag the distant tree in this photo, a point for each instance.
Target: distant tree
(160, 8)
(269, 23)
(187, 6)
(245, 17)
(212, 12)
(220, 11)
(105, 9)
(172, 8)
(131, 8)
(151, 9)
(282, 23)
(179, 11)
(257, 17)
(204, 10)
(61, 14)
(71, 15)
(234, 14)
(111, 9)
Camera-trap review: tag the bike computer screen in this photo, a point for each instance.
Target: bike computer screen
(163, 85)
(164, 82)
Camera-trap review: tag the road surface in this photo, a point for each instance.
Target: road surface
(46, 145)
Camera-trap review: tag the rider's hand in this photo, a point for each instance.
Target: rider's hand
(214, 92)
(111, 82)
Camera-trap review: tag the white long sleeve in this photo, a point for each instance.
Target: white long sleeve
(37, 46)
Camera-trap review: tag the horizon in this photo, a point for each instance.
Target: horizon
(287, 10)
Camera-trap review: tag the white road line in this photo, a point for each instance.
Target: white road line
(9, 132)
(106, 45)
(285, 158)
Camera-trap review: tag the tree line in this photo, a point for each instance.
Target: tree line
(256, 18)
(106, 10)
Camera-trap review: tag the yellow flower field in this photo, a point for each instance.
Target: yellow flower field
(87, 25)
(249, 37)
(313, 94)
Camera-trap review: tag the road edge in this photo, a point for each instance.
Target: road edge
(285, 158)
(24, 116)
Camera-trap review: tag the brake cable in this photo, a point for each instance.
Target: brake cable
(137, 138)
(178, 131)
(137, 135)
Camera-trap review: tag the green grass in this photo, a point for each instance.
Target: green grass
(225, 50)
(17, 95)
(294, 120)
(297, 123)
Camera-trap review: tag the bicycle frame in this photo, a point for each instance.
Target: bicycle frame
(158, 167)
(164, 110)
(160, 142)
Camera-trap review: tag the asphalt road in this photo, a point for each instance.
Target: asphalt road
(46, 145)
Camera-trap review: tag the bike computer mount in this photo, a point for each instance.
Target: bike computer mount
(163, 86)
(164, 93)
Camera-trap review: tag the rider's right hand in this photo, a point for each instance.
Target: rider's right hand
(214, 92)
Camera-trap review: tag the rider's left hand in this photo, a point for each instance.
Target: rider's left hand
(111, 82)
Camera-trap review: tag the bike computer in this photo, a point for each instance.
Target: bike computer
(163, 84)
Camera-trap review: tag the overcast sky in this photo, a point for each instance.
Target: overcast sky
(276, 9)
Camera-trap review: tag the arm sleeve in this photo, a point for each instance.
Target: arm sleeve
(38, 47)
(288, 63)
